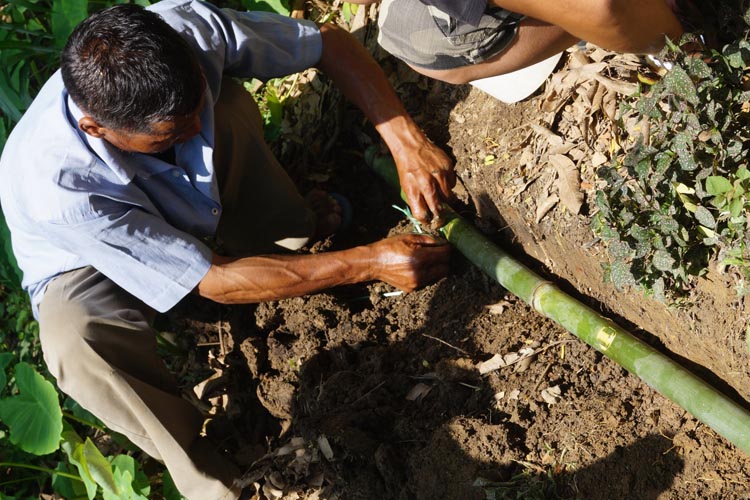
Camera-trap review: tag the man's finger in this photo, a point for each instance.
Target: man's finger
(418, 208)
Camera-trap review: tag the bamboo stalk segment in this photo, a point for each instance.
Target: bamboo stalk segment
(663, 374)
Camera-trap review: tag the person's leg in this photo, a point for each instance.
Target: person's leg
(535, 41)
(98, 343)
(441, 47)
(262, 210)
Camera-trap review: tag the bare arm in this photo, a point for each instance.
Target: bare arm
(403, 261)
(425, 171)
(636, 26)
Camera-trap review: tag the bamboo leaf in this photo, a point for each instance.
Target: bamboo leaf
(34, 416)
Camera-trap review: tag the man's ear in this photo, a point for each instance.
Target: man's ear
(91, 127)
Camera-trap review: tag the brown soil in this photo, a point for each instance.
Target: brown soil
(357, 394)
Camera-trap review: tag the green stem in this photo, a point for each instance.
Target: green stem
(23, 480)
(72, 417)
(660, 372)
(41, 469)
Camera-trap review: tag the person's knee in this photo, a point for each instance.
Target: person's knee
(64, 327)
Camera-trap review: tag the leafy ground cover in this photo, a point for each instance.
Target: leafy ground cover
(678, 196)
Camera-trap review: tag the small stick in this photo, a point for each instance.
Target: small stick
(363, 396)
(446, 343)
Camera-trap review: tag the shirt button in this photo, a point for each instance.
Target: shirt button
(175, 173)
(214, 211)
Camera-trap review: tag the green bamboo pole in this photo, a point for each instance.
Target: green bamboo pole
(660, 372)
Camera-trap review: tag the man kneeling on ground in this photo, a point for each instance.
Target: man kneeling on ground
(140, 148)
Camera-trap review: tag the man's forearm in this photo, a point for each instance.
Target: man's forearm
(636, 26)
(363, 82)
(405, 261)
(273, 277)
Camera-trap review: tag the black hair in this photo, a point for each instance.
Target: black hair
(127, 68)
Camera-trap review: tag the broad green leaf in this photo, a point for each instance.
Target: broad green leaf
(72, 445)
(99, 467)
(138, 483)
(125, 485)
(66, 487)
(34, 416)
(716, 185)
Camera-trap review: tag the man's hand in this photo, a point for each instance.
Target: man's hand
(410, 261)
(427, 178)
(425, 171)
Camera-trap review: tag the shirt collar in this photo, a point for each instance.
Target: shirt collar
(124, 164)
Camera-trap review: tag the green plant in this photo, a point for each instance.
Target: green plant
(679, 196)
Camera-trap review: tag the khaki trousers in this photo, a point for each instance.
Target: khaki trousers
(97, 338)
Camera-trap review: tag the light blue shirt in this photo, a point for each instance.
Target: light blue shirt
(72, 200)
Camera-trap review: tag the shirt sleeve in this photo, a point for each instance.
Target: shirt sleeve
(140, 252)
(467, 11)
(253, 44)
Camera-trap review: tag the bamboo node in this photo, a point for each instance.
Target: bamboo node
(535, 300)
(605, 336)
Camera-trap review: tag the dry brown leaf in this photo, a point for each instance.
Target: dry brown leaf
(552, 395)
(578, 58)
(545, 206)
(552, 138)
(561, 149)
(418, 392)
(491, 364)
(499, 307)
(568, 182)
(625, 88)
(598, 159)
(325, 447)
(596, 101)
(609, 105)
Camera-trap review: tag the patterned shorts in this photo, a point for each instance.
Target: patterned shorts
(426, 37)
